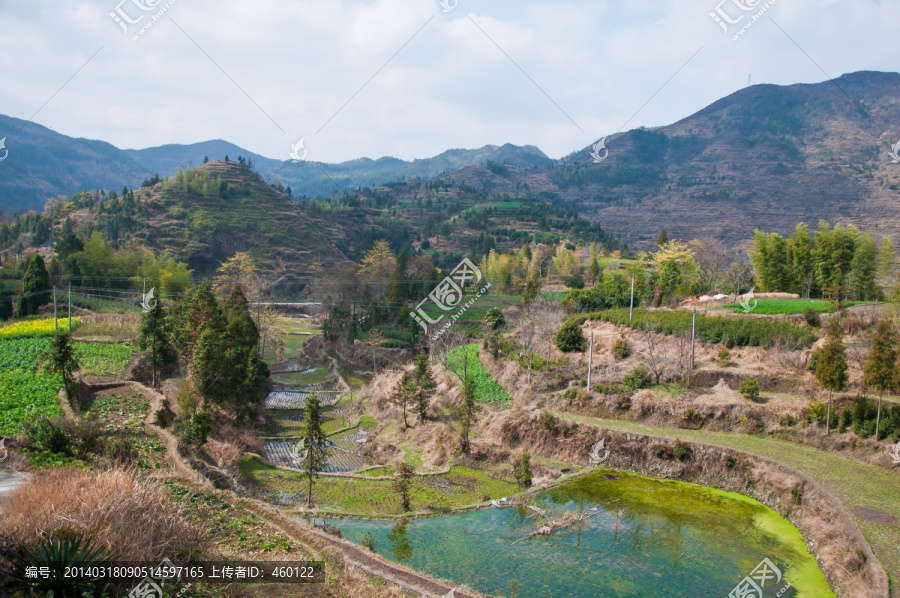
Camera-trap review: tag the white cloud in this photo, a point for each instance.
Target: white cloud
(449, 87)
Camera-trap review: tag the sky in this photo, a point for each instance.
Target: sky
(412, 78)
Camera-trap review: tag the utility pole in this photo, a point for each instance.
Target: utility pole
(70, 307)
(631, 308)
(693, 336)
(55, 321)
(590, 362)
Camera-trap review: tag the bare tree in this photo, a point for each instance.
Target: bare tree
(712, 262)
(738, 277)
(537, 326)
(656, 355)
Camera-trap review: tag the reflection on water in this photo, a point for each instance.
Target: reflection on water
(631, 536)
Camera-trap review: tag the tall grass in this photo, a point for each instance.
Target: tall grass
(732, 331)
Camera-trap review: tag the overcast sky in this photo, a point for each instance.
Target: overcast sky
(406, 79)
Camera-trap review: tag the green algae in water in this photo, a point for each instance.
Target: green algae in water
(642, 537)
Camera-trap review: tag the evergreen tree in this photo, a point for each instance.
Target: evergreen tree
(402, 483)
(62, 360)
(36, 288)
(469, 411)
(662, 239)
(880, 365)
(314, 441)
(154, 337)
(424, 385)
(570, 337)
(595, 272)
(522, 472)
(402, 395)
(831, 366)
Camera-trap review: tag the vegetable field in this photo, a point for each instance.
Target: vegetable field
(26, 396)
(486, 388)
(772, 307)
(98, 359)
(23, 355)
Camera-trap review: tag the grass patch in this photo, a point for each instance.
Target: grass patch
(487, 390)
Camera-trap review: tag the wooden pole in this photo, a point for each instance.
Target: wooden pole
(631, 308)
(693, 337)
(70, 307)
(590, 362)
(55, 321)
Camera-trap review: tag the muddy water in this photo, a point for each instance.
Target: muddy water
(638, 536)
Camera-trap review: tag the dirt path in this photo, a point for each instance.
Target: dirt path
(870, 494)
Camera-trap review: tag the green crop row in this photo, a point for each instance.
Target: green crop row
(731, 330)
(487, 390)
(23, 355)
(25, 396)
(97, 359)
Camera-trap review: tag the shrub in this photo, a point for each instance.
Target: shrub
(576, 281)
(750, 389)
(368, 541)
(548, 422)
(620, 348)
(570, 337)
(797, 495)
(730, 462)
(813, 361)
(638, 378)
(623, 402)
(845, 420)
(662, 451)
(48, 434)
(522, 471)
(681, 452)
(692, 417)
(123, 450)
(787, 420)
(609, 389)
(724, 357)
(812, 317)
(816, 412)
(570, 394)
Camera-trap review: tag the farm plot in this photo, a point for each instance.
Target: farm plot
(487, 390)
(280, 399)
(96, 359)
(36, 328)
(23, 355)
(342, 457)
(25, 396)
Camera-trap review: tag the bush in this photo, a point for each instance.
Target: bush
(730, 462)
(609, 389)
(692, 417)
(522, 471)
(662, 451)
(638, 378)
(548, 422)
(123, 450)
(576, 281)
(787, 420)
(731, 331)
(812, 317)
(681, 452)
(613, 291)
(750, 389)
(724, 357)
(570, 337)
(816, 412)
(620, 348)
(813, 361)
(570, 394)
(797, 495)
(368, 541)
(623, 402)
(48, 434)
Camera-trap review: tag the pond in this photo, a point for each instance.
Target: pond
(633, 536)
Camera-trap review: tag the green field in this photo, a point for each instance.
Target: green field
(96, 359)
(772, 307)
(458, 488)
(486, 388)
(26, 396)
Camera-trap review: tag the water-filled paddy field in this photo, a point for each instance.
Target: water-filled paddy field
(638, 536)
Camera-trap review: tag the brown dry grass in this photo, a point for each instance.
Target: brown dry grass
(130, 516)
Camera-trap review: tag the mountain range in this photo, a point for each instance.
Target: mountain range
(766, 156)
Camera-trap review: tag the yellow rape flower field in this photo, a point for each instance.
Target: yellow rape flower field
(36, 328)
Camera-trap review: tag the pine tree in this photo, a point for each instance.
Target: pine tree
(663, 238)
(154, 337)
(880, 365)
(594, 271)
(831, 366)
(62, 360)
(469, 411)
(314, 441)
(403, 394)
(424, 385)
(36, 288)
(522, 472)
(402, 483)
